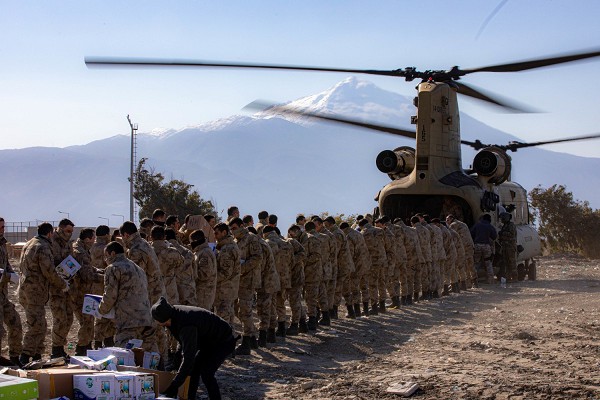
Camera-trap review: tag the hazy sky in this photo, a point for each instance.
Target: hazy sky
(48, 97)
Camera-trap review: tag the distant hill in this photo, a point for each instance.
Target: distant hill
(280, 164)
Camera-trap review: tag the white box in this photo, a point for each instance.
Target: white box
(151, 360)
(143, 385)
(94, 387)
(68, 268)
(91, 302)
(109, 362)
(124, 356)
(124, 386)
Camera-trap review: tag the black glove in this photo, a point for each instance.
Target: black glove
(171, 391)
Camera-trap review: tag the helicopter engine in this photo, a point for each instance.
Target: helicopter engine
(494, 164)
(397, 163)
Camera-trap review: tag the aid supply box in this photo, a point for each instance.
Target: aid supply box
(68, 268)
(91, 302)
(124, 356)
(94, 387)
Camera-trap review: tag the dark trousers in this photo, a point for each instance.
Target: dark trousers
(206, 363)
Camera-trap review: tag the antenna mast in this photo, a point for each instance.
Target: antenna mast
(134, 128)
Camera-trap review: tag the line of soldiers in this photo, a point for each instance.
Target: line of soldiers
(316, 268)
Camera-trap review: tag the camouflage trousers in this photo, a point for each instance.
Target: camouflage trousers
(436, 279)
(374, 279)
(331, 289)
(280, 310)
(425, 272)
(187, 294)
(342, 289)
(244, 311)
(407, 281)
(10, 317)
(85, 335)
(295, 299)
(104, 328)
(62, 318)
(205, 296)
(171, 288)
(264, 303)
(224, 309)
(360, 288)
(273, 315)
(35, 329)
(393, 280)
(482, 253)
(145, 333)
(311, 296)
(469, 271)
(324, 296)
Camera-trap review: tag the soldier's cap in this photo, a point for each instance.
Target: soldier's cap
(162, 310)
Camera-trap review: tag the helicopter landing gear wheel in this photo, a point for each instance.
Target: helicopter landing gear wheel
(532, 271)
(521, 271)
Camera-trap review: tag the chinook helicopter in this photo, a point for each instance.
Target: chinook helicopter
(429, 178)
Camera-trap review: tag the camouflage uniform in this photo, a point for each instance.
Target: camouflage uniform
(251, 259)
(333, 261)
(8, 312)
(81, 285)
(37, 276)
(205, 266)
(359, 279)
(425, 268)
(508, 239)
(313, 270)
(170, 262)
(450, 250)
(184, 275)
(284, 265)
(345, 267)
(126, 291)
(398, 274)
(228, 278)
(414, 260)
(104, 328)
(460, 257)
(61, 307)
(439, 258)
(261, 225)
(385, 274)
(270, 285)
(279, 255)
(327, 249)
(374, 238)
(296, 279)
(468, 273)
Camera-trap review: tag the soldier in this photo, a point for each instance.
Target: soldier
(159, 217)
(251, 260)
(62, 310)
(146, 226)
(345, 266)
(438, 254)
(424, 270)
(359, 279)
(458, 282)
(508, 240)
(414, 260)
(248, 221)
(300, 221)
(169, 261)
(329, 262)
(296, 279)
(104, 329)
(374, 238)
(83, 283)
(184, 275)
(205, 267)
(449, 265)
(9, 314)
(270, 285)
(468, 271)
(232, 212)
(484, 234)
(38, 274)
(126, 291)
(284, 265)
(313, 273)
(263, 220)
(228, 273)
(398, 274)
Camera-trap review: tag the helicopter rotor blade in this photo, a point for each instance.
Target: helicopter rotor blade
(495, 99)
(538, 63)
(268, 107)
(514, 146)
(148, 62)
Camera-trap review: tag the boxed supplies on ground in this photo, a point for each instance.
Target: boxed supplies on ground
(107, 363)
(146, 359)
(124, 356)
(164, 379)
(68, 268)
(94, 387)
(15, 388)
(91, 302)
(56, 382)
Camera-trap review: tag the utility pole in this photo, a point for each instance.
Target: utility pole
(134, 128)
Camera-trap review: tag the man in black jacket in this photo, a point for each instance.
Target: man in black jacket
(205, 340)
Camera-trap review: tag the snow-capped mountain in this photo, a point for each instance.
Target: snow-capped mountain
(282, 164)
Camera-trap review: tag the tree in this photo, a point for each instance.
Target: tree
(175, 197)
(565, 224)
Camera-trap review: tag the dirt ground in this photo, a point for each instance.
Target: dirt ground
(531, 340)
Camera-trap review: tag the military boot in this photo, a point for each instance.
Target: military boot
(292, 330)
(24, 359)
(280, 329)
(357, 310)
(244, 348)
(325, 319)
(446, 291)
(435, 294)
(396, 302)
(262, 338)
(312, 323)
(416, 297)
(366, 308)
(333, 313)
(463, 285)
(271, 335)
(253, 342)
(37, 357)
(350, 314)
(58, 351)
(409, 300)
(455, 287)
(302, 326)
(382, 306)
(475, 282)
(109, 342)
(374, 310)
(80, 350)
(97, 344)
(16, 360)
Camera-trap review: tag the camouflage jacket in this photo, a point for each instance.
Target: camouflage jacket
(449, 247)
(437, 242)
(313, 268)
(374, 238)
(465, 235)
(357, 248)
(283, 254)
(126, 290)
(508, 236)
(298, 260)
(61, 246)
(97, 251)
(344, 259)
(399, 235)
(389, 240)
(228, 269)
(83, 281)
(140, 252)
(38, 272)
(170, 262)
(252, 258)
(424, 241)
(205, 265)
(460, 250)
(185, 275)
(5, 265)
(327, 247)
(269, 276)
(414, 255)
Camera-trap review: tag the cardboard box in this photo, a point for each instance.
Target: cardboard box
(91, 302)
(124, 356)
(56, 382)
(15, 388)
(94, 387)
(106, 363)
(68, 268)
(164, 379)
(145, 359)
(124, 386)
(145, 385)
